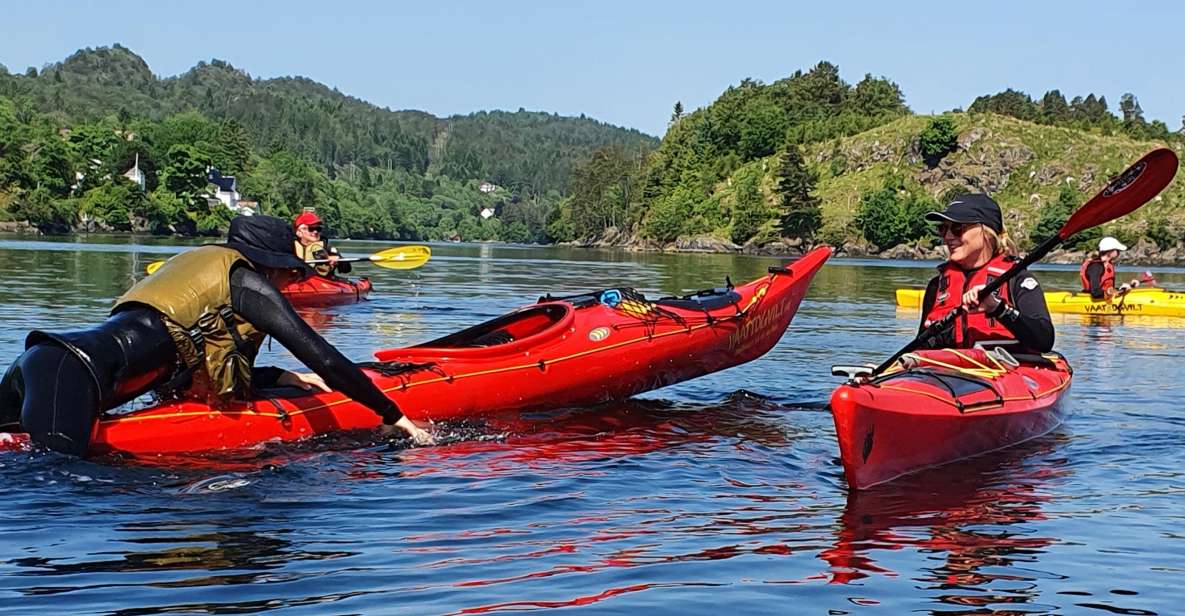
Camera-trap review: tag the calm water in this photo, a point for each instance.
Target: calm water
(721, 492)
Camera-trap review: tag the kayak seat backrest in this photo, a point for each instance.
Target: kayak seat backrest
(710, 299)
(504, 329)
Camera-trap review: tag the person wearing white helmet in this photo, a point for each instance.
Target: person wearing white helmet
(1098, 271)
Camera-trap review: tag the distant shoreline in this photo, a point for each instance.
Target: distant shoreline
(790, 248)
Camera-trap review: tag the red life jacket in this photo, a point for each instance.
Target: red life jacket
(953, 282)
(1105, 283)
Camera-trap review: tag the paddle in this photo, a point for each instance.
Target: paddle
(1122, 195)
(399, 257)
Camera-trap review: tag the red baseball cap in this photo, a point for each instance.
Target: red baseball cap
(306, 218)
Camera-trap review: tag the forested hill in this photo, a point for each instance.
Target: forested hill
(70, 131)
(813, 157)
(527, 152)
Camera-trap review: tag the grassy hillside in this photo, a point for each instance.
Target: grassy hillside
(1022, 164)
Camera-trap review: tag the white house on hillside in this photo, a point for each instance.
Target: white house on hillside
(226, 189)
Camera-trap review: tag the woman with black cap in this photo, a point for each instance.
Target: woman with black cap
(192, 329)
(972, 229)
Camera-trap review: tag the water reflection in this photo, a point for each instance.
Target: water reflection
(975, 519)
(699, 502)
(570, 438)
(178, 555)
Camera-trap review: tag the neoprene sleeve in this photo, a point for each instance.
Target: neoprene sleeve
(1094, 274)
(254, 298)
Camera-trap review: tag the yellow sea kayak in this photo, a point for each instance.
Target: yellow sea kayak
(1145, 301)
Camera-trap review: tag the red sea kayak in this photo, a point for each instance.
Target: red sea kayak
(955, 404)
(560, 352)
(322, 291)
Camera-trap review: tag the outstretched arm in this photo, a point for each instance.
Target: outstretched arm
(255, 299)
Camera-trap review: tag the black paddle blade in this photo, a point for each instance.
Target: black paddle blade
(1134, 187)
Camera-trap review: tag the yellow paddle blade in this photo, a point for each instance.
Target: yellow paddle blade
(402, 257)
(152, 267)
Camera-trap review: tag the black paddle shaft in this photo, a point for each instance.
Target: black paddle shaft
(941, 324)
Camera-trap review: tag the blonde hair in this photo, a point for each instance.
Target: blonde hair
(1001, 242)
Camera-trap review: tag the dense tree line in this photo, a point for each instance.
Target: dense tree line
(675, 189)
(58, 178)
(71, 129)
(1083, 113)
(734, 169)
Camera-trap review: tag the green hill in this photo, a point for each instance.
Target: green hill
(69, 132)
(813, 157)
(528, 152)
(1023, 165)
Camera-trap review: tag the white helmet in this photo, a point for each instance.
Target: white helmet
(1107, 244)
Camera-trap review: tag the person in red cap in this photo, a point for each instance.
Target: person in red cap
(311, 246)
(972, 229)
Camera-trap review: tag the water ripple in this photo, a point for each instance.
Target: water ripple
(721, 492)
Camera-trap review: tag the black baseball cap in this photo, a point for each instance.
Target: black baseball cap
(971, 208)
(265, 241)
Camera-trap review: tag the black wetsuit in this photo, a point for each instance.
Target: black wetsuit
(1026, 317)
(55, 391)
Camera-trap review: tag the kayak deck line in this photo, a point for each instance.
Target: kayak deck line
(993, 404)
(979, 370)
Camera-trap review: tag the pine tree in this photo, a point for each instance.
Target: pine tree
(678, 113)
(750, 211)
(801, 213)
(1054, 109)
(235, 147)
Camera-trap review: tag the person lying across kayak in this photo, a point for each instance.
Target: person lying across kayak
(191, 330)
(973, 231)
(311, 245)
(1098, 271)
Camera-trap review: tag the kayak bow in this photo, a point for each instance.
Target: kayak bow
(323, 291)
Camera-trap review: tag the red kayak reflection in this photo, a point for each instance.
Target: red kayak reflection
(963, 510)
(320, 320)
(570, 438)
(498, 445)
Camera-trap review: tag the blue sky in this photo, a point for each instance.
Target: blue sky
(628, 62)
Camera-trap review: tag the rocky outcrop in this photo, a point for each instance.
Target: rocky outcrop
(18, 226)
(787, 246)
(704, 243)
(988, 171)
(855, 250)
(913, 252)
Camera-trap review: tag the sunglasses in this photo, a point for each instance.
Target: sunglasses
(316, 229)
(954, 228)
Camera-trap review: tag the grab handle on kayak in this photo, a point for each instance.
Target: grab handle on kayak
(981, 406)
(851, 372)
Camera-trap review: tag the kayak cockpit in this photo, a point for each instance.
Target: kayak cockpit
(527, 328)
